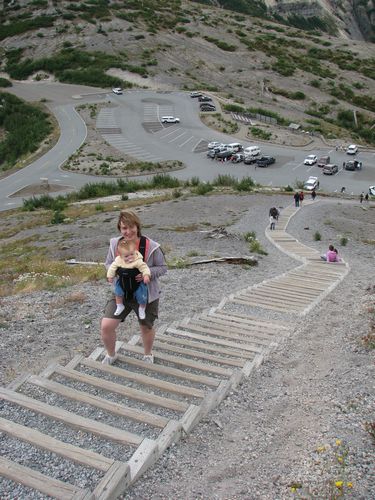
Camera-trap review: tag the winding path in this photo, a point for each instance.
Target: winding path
(146, 408)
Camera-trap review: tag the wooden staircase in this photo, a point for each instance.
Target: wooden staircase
(113, 422)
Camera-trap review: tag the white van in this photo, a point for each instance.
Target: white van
(236, 146)
(252, 151)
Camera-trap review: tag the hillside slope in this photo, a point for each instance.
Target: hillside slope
(308, 77)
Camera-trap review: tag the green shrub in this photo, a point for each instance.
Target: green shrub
(203, 188)
(5, 83)
(164, 181)
(45, 201)
(256, 247)
(249, 236)
(343, 241)
(235, 108)
(224, 180)
(176, 193)
(26, 127)
(18, 27)
(260, 133)
(288, 188)
(58, 217)
(317, 236)
(245, 184)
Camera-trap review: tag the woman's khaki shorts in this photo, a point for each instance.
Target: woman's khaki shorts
(152, 311)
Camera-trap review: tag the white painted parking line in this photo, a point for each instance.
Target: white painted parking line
(177, 137)
(297, 166)
(170, 133)
(185, 142)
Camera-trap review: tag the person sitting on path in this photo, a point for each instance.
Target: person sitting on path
(331, 255)
(129, 226)
(129, 258)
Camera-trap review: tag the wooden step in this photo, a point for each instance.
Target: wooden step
(41, 482)
(110, 406)
(128, 392)
(82, 423)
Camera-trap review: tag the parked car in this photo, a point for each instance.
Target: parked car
(236, 146)
(330, 169)
(311, 183)
(352, 149)
(224, 155)
(204, 98)
(310, 160)
(117, 90)
(169, 119)
(249, 159)
(323, 160)
(214, 144)
(207, 108)
(264, 161)
(238, 157)
(353, 165)
(195, 94)
(252, 151)
(371, 190)
(211, 153)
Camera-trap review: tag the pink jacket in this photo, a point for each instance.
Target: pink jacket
(332, 256)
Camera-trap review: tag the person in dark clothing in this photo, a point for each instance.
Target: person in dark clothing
(313, 194)
(296, 199)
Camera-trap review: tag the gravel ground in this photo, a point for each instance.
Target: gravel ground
(278, 431)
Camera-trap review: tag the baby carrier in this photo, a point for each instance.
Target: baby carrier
(127, 276)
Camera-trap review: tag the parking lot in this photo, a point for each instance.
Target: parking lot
(188, 141)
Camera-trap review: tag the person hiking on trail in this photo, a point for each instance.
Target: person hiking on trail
(313, 194)
(129, 226)
(273, 221)
(129, 258)
(361, 197)
(296, 199)
(301, 197)
(274, 213)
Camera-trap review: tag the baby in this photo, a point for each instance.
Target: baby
(130, 258)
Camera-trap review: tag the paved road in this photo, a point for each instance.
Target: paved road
(134, 128)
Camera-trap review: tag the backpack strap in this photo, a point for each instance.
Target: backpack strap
(143, 244)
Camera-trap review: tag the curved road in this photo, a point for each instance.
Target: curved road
(134, 128)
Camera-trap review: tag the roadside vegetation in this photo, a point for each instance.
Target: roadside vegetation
(25, 126)
(40, 270)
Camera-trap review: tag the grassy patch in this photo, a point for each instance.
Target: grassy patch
(26, 267)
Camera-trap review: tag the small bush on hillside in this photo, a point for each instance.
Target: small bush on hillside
(317, 236)
(203, 188)
(58, 217)
(5, 83)
(245, 184)
(164, 181)
(224, 180)
(343, 241)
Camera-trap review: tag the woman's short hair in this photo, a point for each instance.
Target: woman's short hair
(129, 218)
